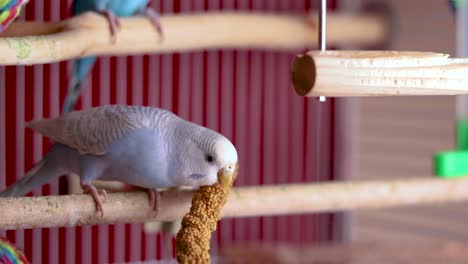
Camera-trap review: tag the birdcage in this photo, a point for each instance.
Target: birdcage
(225, 65)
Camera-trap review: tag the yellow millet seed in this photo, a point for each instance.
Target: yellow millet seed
(193, 239)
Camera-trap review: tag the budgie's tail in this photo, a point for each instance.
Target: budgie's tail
(42, 172)
(81, 69)
(73, 93)
(27, 182)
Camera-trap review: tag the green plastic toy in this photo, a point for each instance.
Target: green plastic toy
(453, 164)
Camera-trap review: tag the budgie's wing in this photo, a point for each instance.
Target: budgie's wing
(125, 8)
(91, 131)
(121, 8)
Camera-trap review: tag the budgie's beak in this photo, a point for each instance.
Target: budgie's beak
(227, 175)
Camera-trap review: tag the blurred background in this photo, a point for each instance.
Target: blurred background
(398, 136)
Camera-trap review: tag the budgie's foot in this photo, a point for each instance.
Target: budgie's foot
(113, 22)
(96, 194)
(154, 200)
(153, 16)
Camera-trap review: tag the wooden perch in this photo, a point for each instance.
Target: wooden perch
(366, 73)
(89, 34)
(72, 210)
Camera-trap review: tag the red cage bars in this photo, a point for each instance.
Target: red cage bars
(246, 95)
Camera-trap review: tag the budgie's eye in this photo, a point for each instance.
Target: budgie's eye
(209, 158)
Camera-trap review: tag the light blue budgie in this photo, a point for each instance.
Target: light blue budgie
(111, 9)
(142, 146)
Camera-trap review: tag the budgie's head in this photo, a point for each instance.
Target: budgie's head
(210, 157)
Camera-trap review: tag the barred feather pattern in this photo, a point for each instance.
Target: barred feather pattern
(91, 131)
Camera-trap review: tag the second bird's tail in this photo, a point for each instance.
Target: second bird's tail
(73, 93)
(81, 69)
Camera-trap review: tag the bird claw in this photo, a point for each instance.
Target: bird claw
(96, 194)
(103, 193)
(114, 24)
(155, 20)
(154, 198)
